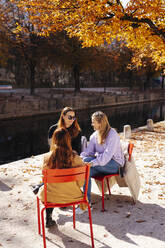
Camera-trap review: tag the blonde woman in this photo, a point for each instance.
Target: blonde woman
(104, 150)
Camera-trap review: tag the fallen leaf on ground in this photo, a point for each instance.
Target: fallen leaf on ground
(128, 215)
(105, 235)
(140, 221)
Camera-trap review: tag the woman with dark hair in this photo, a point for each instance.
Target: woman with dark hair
(68, 120)
(61, 156)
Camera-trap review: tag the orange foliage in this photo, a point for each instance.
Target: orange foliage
(140, 23)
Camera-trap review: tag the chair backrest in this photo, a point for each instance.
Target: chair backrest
(130, 149)
(127, 148)
(66, 175)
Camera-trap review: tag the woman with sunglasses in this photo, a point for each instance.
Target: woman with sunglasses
(67, 120)
(104, 151)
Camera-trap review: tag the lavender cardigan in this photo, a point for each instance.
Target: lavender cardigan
(111, 149)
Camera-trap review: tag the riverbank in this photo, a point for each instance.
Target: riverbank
(49, 101)
(123, 225)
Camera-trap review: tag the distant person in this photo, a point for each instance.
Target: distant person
(104, 151)
(67, 120)
(61, 156)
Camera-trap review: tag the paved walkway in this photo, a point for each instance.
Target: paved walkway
(123, 225)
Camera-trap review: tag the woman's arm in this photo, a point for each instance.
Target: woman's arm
(45, 160)
(77, 161)
(111, 147)
(51, 130)
(90, 150)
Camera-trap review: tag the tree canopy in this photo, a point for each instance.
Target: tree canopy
(20, 41)
(140, 23)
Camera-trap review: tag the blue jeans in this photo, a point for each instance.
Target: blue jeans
(112, 167)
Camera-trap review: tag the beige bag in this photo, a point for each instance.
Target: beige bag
(131, 177)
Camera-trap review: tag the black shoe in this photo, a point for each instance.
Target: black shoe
(50, 223)
(35, 189)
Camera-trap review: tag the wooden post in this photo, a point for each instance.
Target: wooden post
(127, 132)
(150, 125)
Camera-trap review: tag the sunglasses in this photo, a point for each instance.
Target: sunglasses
(70, 117)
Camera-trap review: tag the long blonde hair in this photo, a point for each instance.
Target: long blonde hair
(105, 127)
(74, 129)
(62, 155)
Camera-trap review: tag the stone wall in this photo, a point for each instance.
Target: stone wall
(24, 104)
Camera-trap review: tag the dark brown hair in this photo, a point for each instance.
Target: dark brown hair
(74, 129)
(62, 155)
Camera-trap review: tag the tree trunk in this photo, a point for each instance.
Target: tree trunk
(76, 74)
(32, 77)
(19, 71)
(105, 81)
(162, 82)
(146, 83)
(130, 80)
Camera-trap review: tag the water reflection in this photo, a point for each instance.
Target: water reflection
(24, 137)
(135, 115)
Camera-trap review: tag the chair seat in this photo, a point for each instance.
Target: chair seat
(100, 178)
(51, 205)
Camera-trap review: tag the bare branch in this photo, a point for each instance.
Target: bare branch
(119, 3)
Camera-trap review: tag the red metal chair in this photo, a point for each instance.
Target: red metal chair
(102, 178)
(62, 176)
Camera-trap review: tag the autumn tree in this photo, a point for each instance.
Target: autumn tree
(29, 48)
(140, 23)
(5, 34)
(80, 59)
(21, 45)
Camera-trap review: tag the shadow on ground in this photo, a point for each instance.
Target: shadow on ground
(4, 187)
(122, 218)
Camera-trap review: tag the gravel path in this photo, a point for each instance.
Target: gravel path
(123, 225)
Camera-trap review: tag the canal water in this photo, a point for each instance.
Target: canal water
(24, 137)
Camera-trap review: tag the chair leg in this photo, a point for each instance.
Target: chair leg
(108, 186)
(38, 214)
(74, 222)
(102, 196)
(91, 228)
(43, 227)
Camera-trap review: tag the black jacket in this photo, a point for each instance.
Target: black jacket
(75, 142)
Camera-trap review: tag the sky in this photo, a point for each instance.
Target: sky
(124, 2)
